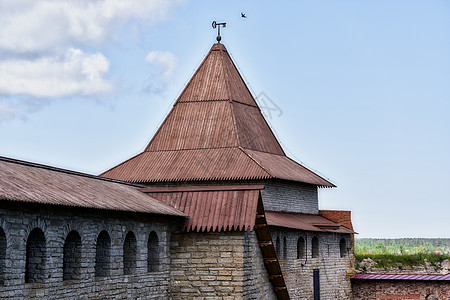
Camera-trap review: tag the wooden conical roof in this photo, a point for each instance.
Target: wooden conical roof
(215, 131)
(215, 110)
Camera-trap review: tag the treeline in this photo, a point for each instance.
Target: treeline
(402, 246)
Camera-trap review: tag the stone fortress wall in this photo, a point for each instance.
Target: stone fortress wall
(330, 254)
(218, 265)
(301, 252)
(54, 252)
(50, 252)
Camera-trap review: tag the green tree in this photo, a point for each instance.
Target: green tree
(380, 248)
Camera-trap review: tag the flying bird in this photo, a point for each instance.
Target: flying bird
(243, 15)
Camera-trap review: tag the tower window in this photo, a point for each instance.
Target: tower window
(315, 247)
(129, 254)
(102, 255)
(300, 247)
(35, 257)
(2, 255)
(72, 256)
(343, 247)
(153, 252)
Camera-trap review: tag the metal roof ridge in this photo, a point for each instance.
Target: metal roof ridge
(188, 149)
(243, 103)
(332, 185)
(203, 100)
(178, 98)
(201, 188)
(66, 171)
(256, 162)
(297, 213)
(244, 149)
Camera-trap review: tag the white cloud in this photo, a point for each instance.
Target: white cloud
(41, 42)
(48, 25)
(165, 61)
(73, 73)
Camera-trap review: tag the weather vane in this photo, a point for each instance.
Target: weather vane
(214, 25)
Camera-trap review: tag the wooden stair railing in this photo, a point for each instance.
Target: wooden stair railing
(269, 254)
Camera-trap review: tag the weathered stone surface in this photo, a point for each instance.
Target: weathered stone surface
(232, 270)
(290, 196)
(18, 221)
(334, 270)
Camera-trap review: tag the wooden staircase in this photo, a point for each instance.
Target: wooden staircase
(269, 254)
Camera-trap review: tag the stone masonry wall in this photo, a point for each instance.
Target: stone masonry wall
(17, 221)
(278, 195)
(217, 266)
(290, 197)
(256, 279)
(334, 270)
(400, 289)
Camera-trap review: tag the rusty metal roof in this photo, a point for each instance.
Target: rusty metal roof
(282, 167)
(308, 222)
(215, 131)
(29, 182)
(212, 208)
(188, 165)
(217, 78)
(215, 109)
(211, 164)
(433, 277)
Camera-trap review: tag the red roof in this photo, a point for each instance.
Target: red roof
(367, 276)
(308, 222)
(212, 208)
(215, 131)
(343, 217)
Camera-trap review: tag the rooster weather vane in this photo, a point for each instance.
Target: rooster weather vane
(214, 25)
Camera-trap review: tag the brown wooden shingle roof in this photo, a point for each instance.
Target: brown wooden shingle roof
(28, 182)
(215, 131)
(309, 222)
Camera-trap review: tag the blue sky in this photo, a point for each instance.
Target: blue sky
(362, 89)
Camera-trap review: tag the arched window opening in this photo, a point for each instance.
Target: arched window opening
(315, 247)
(343, 247)
(2, 255)
(277, 245)
(102, 255)
(153, 252)
(35, 257)
(72, 256)
(300, 248)
(129, 254)
(284, 247)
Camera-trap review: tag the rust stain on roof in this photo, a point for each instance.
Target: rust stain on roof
(217, 78)
(215, 131)
(211, 164)
(212, 209)
(308, 222)
(282, 167)
(188, 165)
(35, 183)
